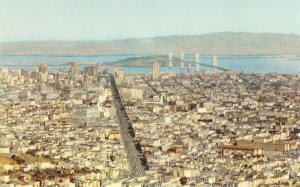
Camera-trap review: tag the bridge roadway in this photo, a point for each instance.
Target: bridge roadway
(253, 83)
(132, 153)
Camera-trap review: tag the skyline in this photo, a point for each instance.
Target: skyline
(112, 20)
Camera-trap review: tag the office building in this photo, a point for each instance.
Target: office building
(74, 69)
(155, 70)
(43, 68)
(99, 68)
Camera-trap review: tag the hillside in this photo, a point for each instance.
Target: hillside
(226, 43)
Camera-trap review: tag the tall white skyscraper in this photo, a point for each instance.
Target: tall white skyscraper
(181, 63)
(197, 60)
(155, 70)
(170, 61)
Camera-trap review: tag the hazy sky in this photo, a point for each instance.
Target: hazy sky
(115, 19)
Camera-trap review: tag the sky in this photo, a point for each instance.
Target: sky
(69, 20)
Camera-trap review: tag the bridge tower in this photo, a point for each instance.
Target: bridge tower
(215, 63)
(190, 67)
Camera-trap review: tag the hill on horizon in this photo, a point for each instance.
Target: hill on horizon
(225, 43)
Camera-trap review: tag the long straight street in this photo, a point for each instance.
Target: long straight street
(133, 158)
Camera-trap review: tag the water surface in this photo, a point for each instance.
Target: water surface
(247, 64)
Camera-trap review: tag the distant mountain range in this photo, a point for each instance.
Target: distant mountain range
(225, 43)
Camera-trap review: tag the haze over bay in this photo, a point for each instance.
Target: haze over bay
(224, 43)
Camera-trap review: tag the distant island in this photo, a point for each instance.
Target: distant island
(225, 43)
(146, 61)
